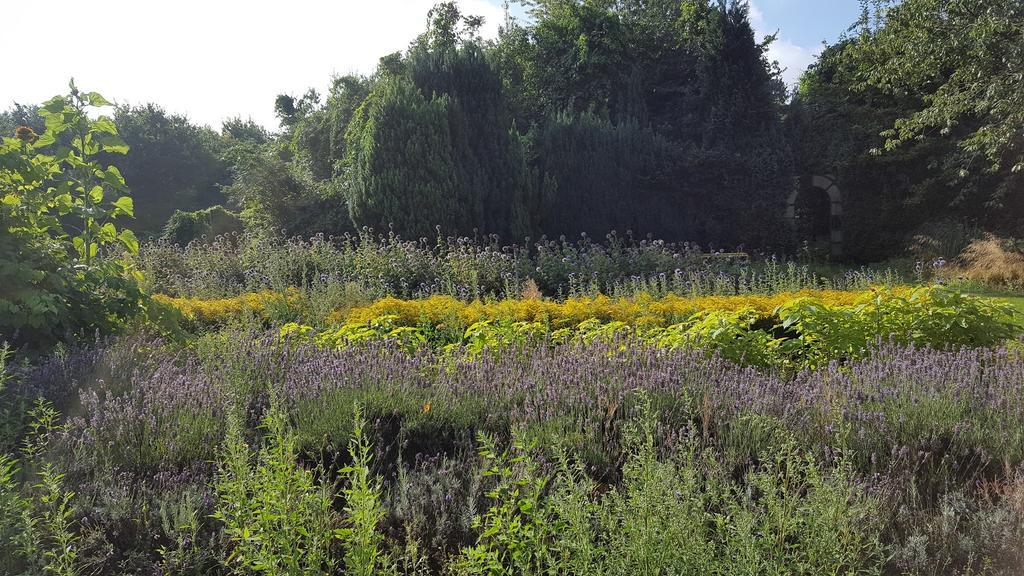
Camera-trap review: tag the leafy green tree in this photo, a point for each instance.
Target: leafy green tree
(56, 226)
(853, 113)
(964, 60)
(400, 164)
(688, 78)
(319, 138)
(603, 177)
(174, 164)
(291, 111)
(238, 130)
(833, 127)
(432, 143)
(279, 196)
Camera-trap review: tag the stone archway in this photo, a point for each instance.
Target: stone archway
(835, 198)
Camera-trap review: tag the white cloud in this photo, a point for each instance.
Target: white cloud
(756, 16)
(792, 58)
(211, 59)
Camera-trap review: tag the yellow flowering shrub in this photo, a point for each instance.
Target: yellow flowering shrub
(218, 311)
(641, 310)
(790, 331)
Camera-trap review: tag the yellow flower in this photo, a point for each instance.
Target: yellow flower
(426, 407)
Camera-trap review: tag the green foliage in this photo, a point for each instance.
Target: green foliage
(431, 146)
(965, 63)
(319, 138)
(657, 117)
(280, 197)
(802, 333)
(56, 215)
(936, 317)
(679, 514)
(53, 503)
(184, 227)
(174, 164)
(733, 335)
(363, 509)
(600, 176)
(38, 531)
(914, 115)
(11, 507)
(277, 519)
(400, 155)
(516, 530)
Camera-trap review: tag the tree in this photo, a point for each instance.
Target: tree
(895, 112)
(174, 165)
(432, 143)
(279, 196)
(965, 61)
(686, 76)
(400, 168)
(601, 177)
(319, 138)
(833, 127)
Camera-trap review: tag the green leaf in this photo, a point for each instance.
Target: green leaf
(55, 123)
(104, 125)
(44, 140)
(79, 244)
(107, 233)
(125, 205)
(127, 237)
(111, 144)
(55, 105)
(96, 194)
(64, 203)
(112, 176)
(95, 99)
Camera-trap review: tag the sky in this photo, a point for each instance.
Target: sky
(215, 59)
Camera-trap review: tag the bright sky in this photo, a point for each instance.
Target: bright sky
(213, 59)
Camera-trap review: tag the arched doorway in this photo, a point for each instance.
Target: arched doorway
(815, 211)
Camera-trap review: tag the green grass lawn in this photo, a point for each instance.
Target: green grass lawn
(1015, 299)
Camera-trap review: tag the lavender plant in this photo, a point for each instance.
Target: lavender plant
(911, 425)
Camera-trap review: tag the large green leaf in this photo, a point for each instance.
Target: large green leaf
(95, 99)
(127, 237)
(124, 205)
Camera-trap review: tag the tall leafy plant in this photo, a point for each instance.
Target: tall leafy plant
(58, 204)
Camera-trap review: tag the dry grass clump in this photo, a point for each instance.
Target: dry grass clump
(994, 261)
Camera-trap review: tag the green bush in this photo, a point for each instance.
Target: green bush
(936, 317)
(676, 512)
(185, 227)
(276, 517)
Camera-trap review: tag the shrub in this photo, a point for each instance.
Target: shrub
(641, 310)
(363, 509)
(802, 330)
(197, 313)
(185, 227)
(277, 519)
(676, 514)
